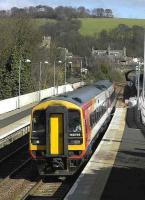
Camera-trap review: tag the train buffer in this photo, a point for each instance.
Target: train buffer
(116, 171)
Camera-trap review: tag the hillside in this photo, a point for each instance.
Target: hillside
(91, 26)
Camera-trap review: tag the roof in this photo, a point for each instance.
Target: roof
(83, 94)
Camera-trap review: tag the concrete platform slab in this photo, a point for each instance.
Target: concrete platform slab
(14, 131)
(15, 115)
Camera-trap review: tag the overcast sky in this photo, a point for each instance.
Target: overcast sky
(121, 8)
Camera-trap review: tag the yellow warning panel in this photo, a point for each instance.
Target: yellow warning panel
(56, 134)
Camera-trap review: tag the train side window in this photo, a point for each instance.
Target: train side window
(98, 111)
(74, 121)
(91, 122)
(93, 119)
(95, 113)
(112, 97)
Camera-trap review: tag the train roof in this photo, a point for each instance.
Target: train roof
(83, 94)
(103, 84)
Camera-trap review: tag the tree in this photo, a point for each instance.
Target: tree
(100, 12)
(108, 13)
(18, 44)
(83, 12)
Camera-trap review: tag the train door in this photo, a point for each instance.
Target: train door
(56, 131)
(56, 134)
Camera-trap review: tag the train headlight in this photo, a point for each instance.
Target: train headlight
(35, 141)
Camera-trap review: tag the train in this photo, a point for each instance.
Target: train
(64, 128)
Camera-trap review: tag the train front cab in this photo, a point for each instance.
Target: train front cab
(57, 141)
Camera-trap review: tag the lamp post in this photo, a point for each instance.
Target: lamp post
(138, 83)
(20, 67)
(40, 77)
(81, 70)
(54, 73)
(40, 74)
(54, 76)
(65, 71)
(136, 60)
(70, 62)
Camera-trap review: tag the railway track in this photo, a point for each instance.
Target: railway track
(20, 187)
(13, 160)
(19, 179)
(11, 166)
(119, 87)
(48, 189)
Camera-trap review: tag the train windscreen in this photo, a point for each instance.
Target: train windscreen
(39, 128)
(74, 123)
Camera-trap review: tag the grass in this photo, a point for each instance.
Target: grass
(37, 22)
(42, 21)
(91, 26)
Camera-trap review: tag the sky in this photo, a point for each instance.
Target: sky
(121, 8)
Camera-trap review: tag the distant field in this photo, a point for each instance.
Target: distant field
(91, 26)
(42, 21)
(38, 22)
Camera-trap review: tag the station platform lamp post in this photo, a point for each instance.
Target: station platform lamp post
(65, 73)
(81, 67)
(20, 67)
(138, 68)
(138, 83)
(40, 77)
(64, 62)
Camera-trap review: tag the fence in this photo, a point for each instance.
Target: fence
(18, 102)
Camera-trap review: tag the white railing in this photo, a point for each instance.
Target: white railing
(16, 102)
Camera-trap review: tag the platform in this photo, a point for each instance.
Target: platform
(117, 168)
(14, 131)
(15, 115)
(14, 125)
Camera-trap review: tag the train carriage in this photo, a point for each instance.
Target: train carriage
(64, 127)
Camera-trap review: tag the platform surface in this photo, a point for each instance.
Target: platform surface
(15, 115)
(6, 131)
(117, 168)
